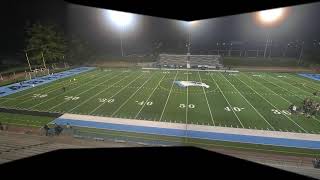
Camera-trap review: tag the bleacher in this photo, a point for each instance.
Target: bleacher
(212, 61)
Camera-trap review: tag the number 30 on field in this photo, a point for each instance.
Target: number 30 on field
(285, 112)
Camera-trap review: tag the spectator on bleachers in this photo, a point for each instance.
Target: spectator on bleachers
(1, 127)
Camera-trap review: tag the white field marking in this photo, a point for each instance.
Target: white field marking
(250, 104)
(187, 106)
(36, 90)
(274, 93)
(227, 100)
(165, 105)
(273, 105)
(302, 78)
(64, 92)
(115, 94)
(290, 92)
(207, 100)
(132, 95)
(296, 86)
(150, 96)
(77, 95)
(299, 82)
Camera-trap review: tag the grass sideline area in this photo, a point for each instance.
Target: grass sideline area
(24, 120)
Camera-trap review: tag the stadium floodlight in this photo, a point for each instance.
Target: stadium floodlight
(271, 15)
(268, 18)
(121, 19)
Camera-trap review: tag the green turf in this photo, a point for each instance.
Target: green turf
(24, 120)
(252, 100)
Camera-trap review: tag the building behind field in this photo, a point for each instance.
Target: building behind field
(190, 61)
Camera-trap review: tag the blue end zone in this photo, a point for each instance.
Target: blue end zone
(194, 134)
(311, 76)
(16, 87)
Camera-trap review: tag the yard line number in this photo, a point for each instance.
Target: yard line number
(276, 111)
(39, 95)
(191, 106)
(72, 98)
(103, 100)
(141, 103)
(237, 109)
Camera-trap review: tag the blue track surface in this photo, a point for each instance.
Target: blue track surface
(195, 134)
(17, 87)
(311, 76)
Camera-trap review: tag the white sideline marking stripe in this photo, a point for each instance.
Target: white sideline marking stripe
(250, 104)
(206, 100)
(187, 105)
(291, 93)
(81, 93)
(132, 95)
(150, 96)
(83, 102)
(60, 94)
(164, 108)
(46, 92)
(194, 127)
(50, 85)
(115, 93)
(273, 105)
(227, 100)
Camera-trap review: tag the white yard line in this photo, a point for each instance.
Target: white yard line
(116, 94)
(83, 102)
(59, 104)
(250, 104)
(49, 86)
(205, 95)
(187, 105)
(227, 100)
(305, 79)
(298, 87)
(149, 96)
(36, 90)
(288, 91)
(132, 95)
(68, 91)
(272, 105)
(165, 105)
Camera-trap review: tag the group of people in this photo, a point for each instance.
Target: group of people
(56, 130)
(309, 108)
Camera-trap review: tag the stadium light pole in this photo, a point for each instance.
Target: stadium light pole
(190, 25)
(269, 18)
(121, 19)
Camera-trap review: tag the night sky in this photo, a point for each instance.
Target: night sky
(302, 23)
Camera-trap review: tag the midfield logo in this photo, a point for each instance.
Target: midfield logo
(185, 84)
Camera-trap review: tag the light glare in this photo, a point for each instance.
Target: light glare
(120, 18)
(272, 15)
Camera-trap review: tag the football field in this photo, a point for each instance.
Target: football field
(251, 100)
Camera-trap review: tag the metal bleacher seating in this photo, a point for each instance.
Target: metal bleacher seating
(193, 60)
